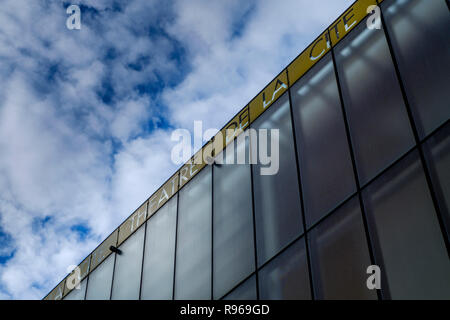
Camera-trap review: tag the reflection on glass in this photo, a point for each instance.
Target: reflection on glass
(325, 163)
(437, 152)
(286, 277)
(233, 242)
(419, 33)
(157, 276)
(245, 291)
(277, 199)
(379, 125)
(99, 283)
(401, 212)
(340, 256)
(193, 263)
(127, 273)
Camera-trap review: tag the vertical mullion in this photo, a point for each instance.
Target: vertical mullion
(370, 237)
(176, 238)
(143, 250)
(212, 230)
(300, 189)
(87, 277)
(114, 271)
(416, 136)
(253, 212)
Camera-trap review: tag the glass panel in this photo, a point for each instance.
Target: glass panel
(234, 248)
(286, 277)
(245, 291)
(437, 151)
(157, 281)
(379, 125)
(419, 33)
(99, 283)
(401, 211)
(77, 294)
(275, 228)
(193, 264)
(102, 251)
(325, 163)
(127, 273)
(340, 255)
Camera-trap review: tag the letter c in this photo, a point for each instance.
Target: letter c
(312, 49)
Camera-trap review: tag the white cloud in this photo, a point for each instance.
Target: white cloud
(129, 118)
(56, 137)
(59, 162)
(229, 71)
(141, 168)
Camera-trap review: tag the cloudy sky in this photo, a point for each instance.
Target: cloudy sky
(86, 115)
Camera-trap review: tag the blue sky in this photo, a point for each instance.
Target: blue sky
(86, 115)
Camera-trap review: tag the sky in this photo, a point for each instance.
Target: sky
(86, 115)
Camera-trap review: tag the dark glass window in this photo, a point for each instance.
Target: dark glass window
(193, 263)
(401, 213)
(286, 276)
(325, 163)
(340, 255)
(234, 256)
(245, 291)
(277, 199)
(159, 255)
(437, 152)
(127, 272)
(100, 280)
(379, 125)
(419, 34)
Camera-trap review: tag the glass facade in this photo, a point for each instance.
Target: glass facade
(424, 68)
(401, 213)
(286, 276)
(127, 272)
(323, 151)
(363, 179)
(100, 280)
(159, 255)
(245, 291)
(340, 255)
(278, 215)
(194, 239)
(372, 96)
(437, 152)
(233, 245)
(78, 294)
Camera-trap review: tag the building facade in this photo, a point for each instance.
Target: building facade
(364, 179)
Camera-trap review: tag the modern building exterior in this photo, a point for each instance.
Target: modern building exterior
(364, 179)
